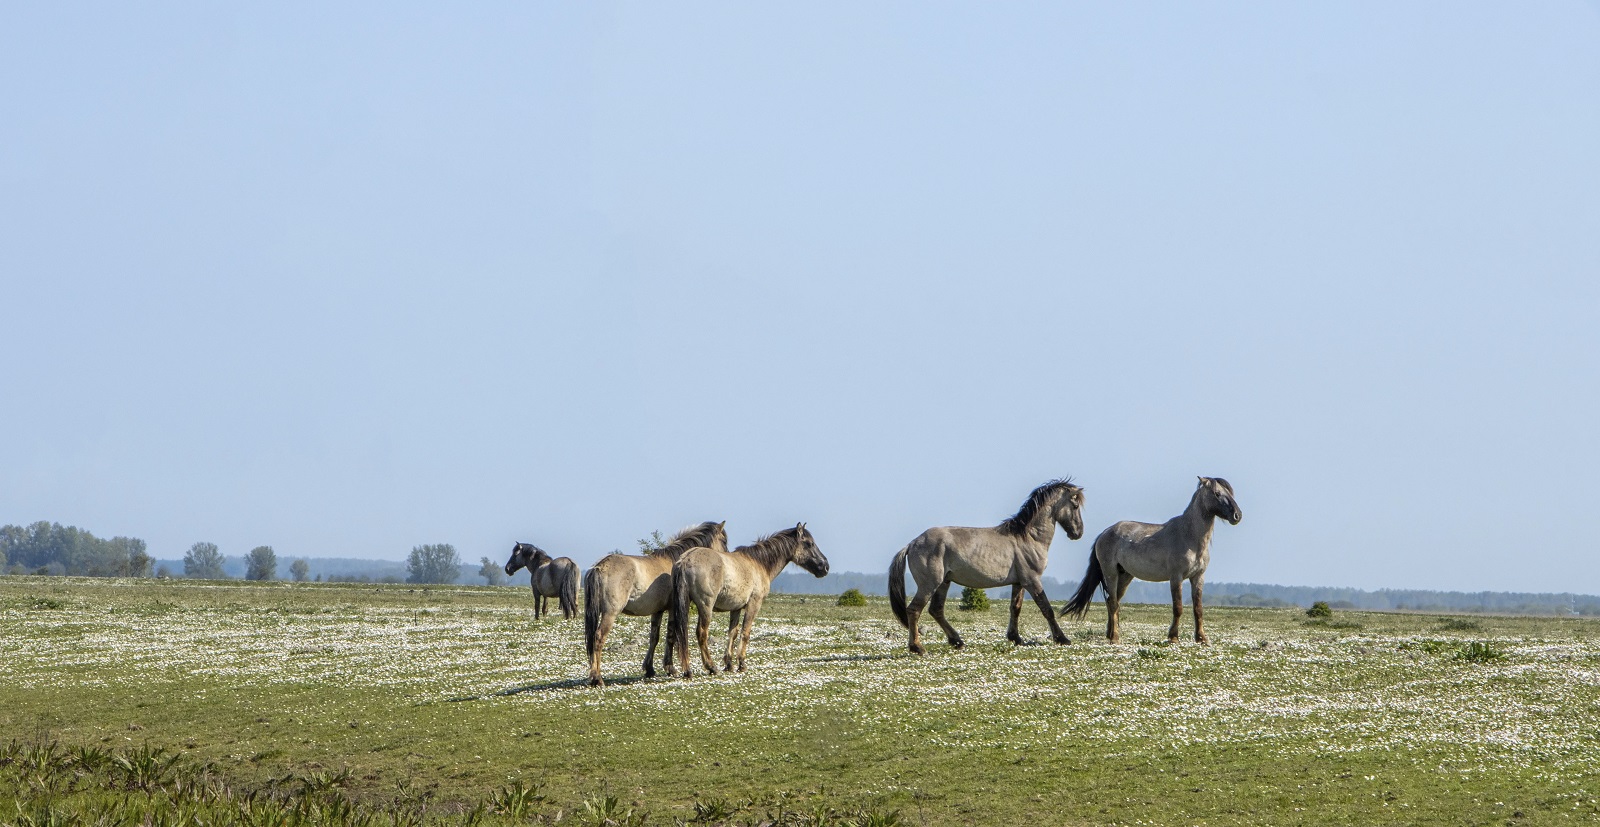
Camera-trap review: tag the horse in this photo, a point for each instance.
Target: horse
(638, 585)
(736, 582)
(1014, 552)
(550, 577)
(1175, 551)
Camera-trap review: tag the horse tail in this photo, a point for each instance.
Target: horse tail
(897, 587)
(591, 613)
(1078, 606)
(569, 591)
(678, 613)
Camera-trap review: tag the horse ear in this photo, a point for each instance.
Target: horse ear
(1202, 480)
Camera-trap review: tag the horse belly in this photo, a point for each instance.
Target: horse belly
(977, 575)
(653, 598)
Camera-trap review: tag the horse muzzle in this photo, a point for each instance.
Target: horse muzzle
(1235, 517)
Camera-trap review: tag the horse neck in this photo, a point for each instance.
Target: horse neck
(1196, 520)
(771, 561)
(1042, 528)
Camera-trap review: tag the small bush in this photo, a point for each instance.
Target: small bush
(1458, 624)
(974, 600)
(852, 597)
(1480, 652)
(1319, 609)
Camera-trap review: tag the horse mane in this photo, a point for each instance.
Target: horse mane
(691, 537)
(770, 549)
(1225, 484)
(1018, 523)
(536, 549)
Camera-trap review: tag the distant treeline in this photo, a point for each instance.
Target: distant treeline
(51, 548)
(1255, 594)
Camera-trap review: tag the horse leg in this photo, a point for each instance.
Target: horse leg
(733, 639)
(936, 611)
(599, 646)
(1177, 610)
(1016, 611)
(1199, 627)
(913, 615)
(702, 632)
(1037, 590)
(1114, 586)
(749, 621)
(650, 653)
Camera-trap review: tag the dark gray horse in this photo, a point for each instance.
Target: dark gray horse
(1175, 551)
(550, 577)
(1013, 553)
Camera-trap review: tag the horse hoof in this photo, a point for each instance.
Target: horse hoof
(1202, 640)
(597, 682)
(917, 650)
(1063, 641)
(957, 643)
(1015, 639)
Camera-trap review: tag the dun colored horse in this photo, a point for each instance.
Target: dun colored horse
(1014, 552)
(550, 577)
(638, 585)
(735, 582)
(1177, 550)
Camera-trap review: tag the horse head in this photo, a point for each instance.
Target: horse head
(806, 553)
(1218, 499)
(1069, 509)
(525, 554)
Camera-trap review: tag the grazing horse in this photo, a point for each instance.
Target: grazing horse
(1175, 551)
(638, 585)
(550, 577)
(735, 582)
(1014, 552)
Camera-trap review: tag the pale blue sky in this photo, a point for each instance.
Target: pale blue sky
(346, 280)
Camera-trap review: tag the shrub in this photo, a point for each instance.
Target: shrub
(1319, 609)
(974, 600)
(1480, 652)
(852, 597)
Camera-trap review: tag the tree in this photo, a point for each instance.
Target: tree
(655, 542)
(492, 572)
(300, 570)
(974, 600)
(433, 564)
(203, 562)
(261, 564)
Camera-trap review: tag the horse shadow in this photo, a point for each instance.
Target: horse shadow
(853, 658)
(551, 686)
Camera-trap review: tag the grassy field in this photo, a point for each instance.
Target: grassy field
(442, 699)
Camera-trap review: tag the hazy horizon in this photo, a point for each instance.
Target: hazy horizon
(346, 280)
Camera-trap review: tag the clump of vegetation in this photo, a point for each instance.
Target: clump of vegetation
(852, 597)
(1459, 624)
(974, 600)
(1319, 609)
(1481, 652)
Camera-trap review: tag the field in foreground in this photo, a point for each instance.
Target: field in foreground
(444, 698)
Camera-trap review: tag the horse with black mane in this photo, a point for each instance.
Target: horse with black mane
(1177, 550)
(1012, 553)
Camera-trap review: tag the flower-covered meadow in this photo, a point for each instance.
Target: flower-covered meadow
(1369, 714)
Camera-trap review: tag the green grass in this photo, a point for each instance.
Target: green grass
(443, 701)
